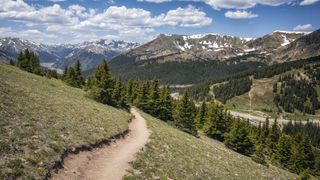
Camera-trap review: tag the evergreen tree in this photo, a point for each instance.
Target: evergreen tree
(215, 123)
(20, 60)
(65, 72)
(201, 116)
(184, 115)
(283, 150)
(238, 138)
(79, 78)
(142, 96)
(153, 102)
(117, 93)
(165, 105)
(129, 96)
(302, 156)
(101, 84)
(258, 155)
(274, 136)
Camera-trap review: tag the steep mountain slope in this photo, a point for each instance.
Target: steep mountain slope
(303, 47)
(192, 47)
(271, 42)
(42, 119)
(172, 154)
(190, 59)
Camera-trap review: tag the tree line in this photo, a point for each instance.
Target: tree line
(29, 61)
(232, 88)
(296, 93)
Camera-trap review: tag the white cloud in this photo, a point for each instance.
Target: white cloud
(233, 4)
(308, 2)
(187, 17)
(32, 34)
(77, 21)
(240, 14)
(303, 27)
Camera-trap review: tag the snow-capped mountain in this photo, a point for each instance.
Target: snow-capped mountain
(10, 48)
(211, 46)
(89, 53)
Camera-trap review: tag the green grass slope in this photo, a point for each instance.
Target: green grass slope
(172, 154)
(40, 118)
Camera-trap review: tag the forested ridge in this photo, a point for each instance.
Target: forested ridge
(232, 88)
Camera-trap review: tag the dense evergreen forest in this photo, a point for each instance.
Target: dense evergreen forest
(232, 88)
(291, 149)
(310, 129)
(296, 93)
(174, 72)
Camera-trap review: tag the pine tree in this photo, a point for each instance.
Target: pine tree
(215, 124)
(302, 156)
(283, 150)
(117, 93)
(258, 155)
(238, 138)
(201, 116)
(165, 105)
(274, 136)
(101, 84)
(184, 115)
(65, 72)
(79, 78)
(129, 95)
(71, 77)
(153, 102)
(142, 96)
(20, 60)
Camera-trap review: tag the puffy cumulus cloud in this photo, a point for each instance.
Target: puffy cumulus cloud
(187, 17)
(78, 21)
(33, 34)
(240, 14)
(135, 19)
(308, 2)
(303, 27)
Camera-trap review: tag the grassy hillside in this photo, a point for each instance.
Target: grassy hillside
(172, 154)
(40, 118)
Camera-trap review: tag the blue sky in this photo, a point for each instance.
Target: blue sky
(72, 21)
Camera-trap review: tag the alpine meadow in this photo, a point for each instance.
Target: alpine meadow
(159, 89)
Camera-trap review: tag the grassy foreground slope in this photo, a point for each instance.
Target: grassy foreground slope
(172, 154)
(40, 118)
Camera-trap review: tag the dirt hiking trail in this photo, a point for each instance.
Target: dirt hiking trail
(109, 162)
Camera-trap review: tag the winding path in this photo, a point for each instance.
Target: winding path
(109, 162)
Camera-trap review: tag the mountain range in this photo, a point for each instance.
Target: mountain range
(59, 56)
(174, 55)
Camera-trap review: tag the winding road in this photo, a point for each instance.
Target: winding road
(109, 162)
